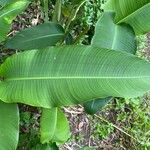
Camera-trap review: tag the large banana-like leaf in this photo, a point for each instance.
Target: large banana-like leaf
(72, 74)
(4, 2)
(8, 14)
(54, 126)
(41, 36)
(9, 126)
(111, 36)
(45, 147)
(133, 12)
(91, 107)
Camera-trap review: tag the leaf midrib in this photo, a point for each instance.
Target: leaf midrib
(7, 13)
(45, 36)
(115, 37)
(121, 20)
(55, 123)
(59, 78)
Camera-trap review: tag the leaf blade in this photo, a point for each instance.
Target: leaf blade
(136, 14)
(41, 36)
(54, 126)
(5, 2)
(45, 147)
(53, 77)
(111, 36)
(94, 106)
(8, 14)
(9, 126)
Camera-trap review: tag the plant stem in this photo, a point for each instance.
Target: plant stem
(121, 130)
(57, 12)
(73, 15)
(46, 18)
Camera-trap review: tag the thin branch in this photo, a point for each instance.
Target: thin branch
(121, 130)
(46, 18)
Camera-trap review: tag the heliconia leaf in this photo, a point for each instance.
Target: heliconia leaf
(9, 126)
(45, 147)
(69, 39)
(8, 14)
(108, 6)
(133, 12)
(94, 106)
(4, 2)
(111, 36)
(41, 36)
(54, 126)
(67, 75)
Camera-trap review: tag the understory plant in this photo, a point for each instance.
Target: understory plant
(50, 69)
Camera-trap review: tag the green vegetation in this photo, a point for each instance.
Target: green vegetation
(92, 53)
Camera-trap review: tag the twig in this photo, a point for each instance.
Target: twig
(46, 19)
(73, 16)
(71, 112)
(101, 118)
(57, 12)
(66, 146)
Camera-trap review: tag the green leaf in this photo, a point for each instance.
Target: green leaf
(41, 36)
(54, 126)
(133, 12)
(45, 147)
(93, 106)
(4, 2)
(67, 75)
(111, 36)
(108, 6)
(9, 126)
(69, 39)
(8, 14)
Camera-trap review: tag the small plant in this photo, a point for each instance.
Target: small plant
(50, 72)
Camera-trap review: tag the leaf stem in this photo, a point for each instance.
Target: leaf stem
(46, 18)
(121, 130)
(57, 12)
(74, 14)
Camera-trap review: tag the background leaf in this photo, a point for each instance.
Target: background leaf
(54, 126)
(8, 14)
(41, 36)
(133, 12)
(4, 2)
(54, 77)
(93, 106)
(111, 36)
(9, 126)
(45, 147)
